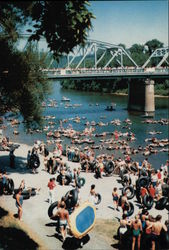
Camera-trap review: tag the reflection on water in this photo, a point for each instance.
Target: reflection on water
(93, 109)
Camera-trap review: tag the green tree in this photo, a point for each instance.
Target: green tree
(153, 45)
(138, 54)
(63, 23)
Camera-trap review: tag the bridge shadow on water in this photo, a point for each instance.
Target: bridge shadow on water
(19, 166)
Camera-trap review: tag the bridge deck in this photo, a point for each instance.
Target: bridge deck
(106, 74)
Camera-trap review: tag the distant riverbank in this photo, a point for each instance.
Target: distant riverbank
(156, 96)
(117, 86)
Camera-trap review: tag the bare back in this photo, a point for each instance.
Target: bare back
(157, 227)
(63, 214)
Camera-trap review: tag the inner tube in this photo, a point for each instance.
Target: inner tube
(51, 210)
(143, 181)
(122, 172)
(167, 206)
(81, 182)
(71, 198)
(118, 231)
(59, 179)
(130, 192)
(148, 201)
(10, 187)
(126, 180)
(26, 195)
(34, 161)
(138, 195)
(98, 199)
(68, 179)
(46, 152)
(165, 190)
(30, 191)
(133, 168)
(109, 167)
(161, 203)
(131, 209)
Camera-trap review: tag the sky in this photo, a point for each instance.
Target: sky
(127, 22)
(130, 22)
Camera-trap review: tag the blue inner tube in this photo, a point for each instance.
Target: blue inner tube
(85, 219)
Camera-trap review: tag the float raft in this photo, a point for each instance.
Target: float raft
(82, 220)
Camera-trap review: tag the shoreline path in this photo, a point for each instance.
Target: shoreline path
(35, 209)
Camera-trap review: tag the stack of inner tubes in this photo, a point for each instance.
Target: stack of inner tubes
(70, 198)
(144, 180)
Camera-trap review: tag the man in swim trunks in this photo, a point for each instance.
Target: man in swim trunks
(137, 229)
(115, 198)
(156, 228)
(63, 215)
(124, 203)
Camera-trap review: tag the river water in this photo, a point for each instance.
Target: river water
(93, 109)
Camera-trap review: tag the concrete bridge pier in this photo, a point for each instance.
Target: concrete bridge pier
(141, 96)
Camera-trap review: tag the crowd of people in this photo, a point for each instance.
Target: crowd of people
(144, 228)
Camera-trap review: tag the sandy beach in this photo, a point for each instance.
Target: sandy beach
(35, 209)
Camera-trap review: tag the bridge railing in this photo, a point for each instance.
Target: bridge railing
(85, 71)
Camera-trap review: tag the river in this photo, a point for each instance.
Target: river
(93, 109)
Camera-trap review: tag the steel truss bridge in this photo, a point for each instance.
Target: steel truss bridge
(75, 67)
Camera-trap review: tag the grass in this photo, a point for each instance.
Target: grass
(15, 234)
(107, 229)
